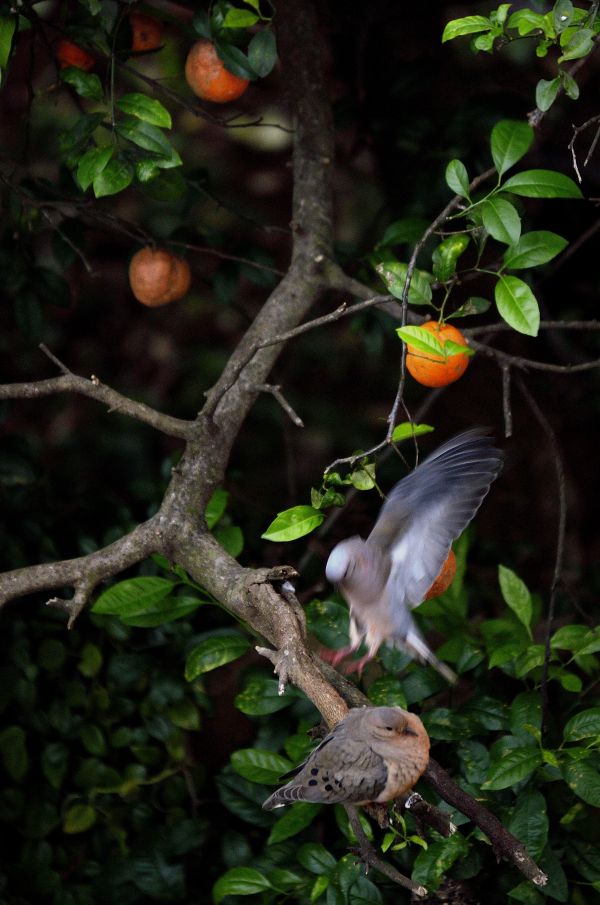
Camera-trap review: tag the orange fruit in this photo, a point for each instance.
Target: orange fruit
(445, 578)
(433, 370)
(69, 54)
(157, 276)
(146, 32)
(206, 75)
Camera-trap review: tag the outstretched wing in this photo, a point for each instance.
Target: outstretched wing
(428, 509)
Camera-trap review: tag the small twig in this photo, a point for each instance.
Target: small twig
(506, 408)
(560, 534)
(370, 858)
(275, 391)
(535, 116)
(577, 130)
(225, 256)
(518, 361)
(424, 812)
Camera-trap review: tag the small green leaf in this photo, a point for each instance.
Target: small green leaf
(501, 219)
(215, 507)
(201, 24)
(213, 652)
(407, 429)
(510, 140)
(545, 93)
(363, 478)
(91, 165)
(406, 230)
(145, 108)
(431, 865)
(79, 818)
(579, 45)
(8, 25)
(260, 766)
(394, 273)
(517, 305)
(313, 856)
(583, 725)
(132, 596)
(533, 249)
(526, 21)
(293, 523)
(115, 177)
(467, 25)
(473, 305)
(457, 178)
(239, 18)
(421, 340)
(542, 184)
(235, 60)
(231, 539)
(516, 595)
(13, 751)
(150, 138)
(562, 15)
(513, 766)
(387, 692)
(261, 697)
(569, 84)
(295, 819)
(529, 822)
(240, 881)
(163, 611)
(86, 84)
(262, 52)
(583, 779)
(570, 637)
(446, 255)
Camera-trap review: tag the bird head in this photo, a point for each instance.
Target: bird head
(342, 559)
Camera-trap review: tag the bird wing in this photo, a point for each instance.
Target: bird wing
(427, 510)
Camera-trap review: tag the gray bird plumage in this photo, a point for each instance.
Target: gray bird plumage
(373, 754)
(387, 575)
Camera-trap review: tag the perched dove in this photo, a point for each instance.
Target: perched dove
(387, 575)
(373, 754)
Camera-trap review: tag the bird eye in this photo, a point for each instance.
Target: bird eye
(390, 728)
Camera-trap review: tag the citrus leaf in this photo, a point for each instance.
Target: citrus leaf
(115, 177)
(407, 429)
(145, 108)
(262, 52)
(533, 249)
(393, 273)
(457, 178)
(512, 767)
(542, 184)
(79, 818)
(313, 856)
(240, 881)
(163, 611)
(261, 697)
(546, 92)
(510, 140)
(468, 25)
(579, 45)
(215, 507)
(293, 523)
(8, 25)
(421, 340)
(239, 18)
(526, 21)
(501, 220)
(294, 820)
(583, 779)
(529, 822)
(516, 595)
(583, 725)
(517, 305)
(473, 305)
(407, 229)
(260, 766)
(132, 596)
(213, 652)
(91, 165)
(446, 255)
(86, 84)
(150, 138)
(235, 60)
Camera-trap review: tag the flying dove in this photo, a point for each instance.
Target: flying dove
(373, 754)
(387, 575)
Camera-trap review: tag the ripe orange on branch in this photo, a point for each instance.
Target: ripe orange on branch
(433, 370)
(157, 276)
(207, 76)
(69, 54)
(445, 578)
(146, 32)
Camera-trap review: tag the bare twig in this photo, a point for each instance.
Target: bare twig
(535, 116)
(518, 361)
(577, 130)
(506, 408)
(560, 534)
(275, 391)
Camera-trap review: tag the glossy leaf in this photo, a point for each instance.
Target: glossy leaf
(529, 822)
(215, 507)
(150, 138)
(446, 255)
(293, 523)
(213, 652)
(512, 767)
(169, 609)
(86, 84)
(473, 305)
(407, 430)
(467, 25)
(546, 91)
(91, 165)
(542, 184)
(115, 177)
(146, 109)
(583, 725)
(516, 595)
(431, 865)
(421, 340)
(313, 856)
(501, 219)
(510, 141)
(261, 697)
(240, 881)
(79, 818)
(262, 52)
(132, 596)
(579, 45)
(533, 249)
(235, 60)
(8, 25)
(457, 178)
(393, 274)
(260, 766)
(295, 819)
(239, 18)
(526, 21)
(517, 305)
(583, 779)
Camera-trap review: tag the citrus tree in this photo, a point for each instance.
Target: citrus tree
(337, 213)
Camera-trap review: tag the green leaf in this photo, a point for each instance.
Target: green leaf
(393, 273)
(513, 766)
(421, 340)
(13, 751)
(201, 24)
(164, 611)
(542, 184)
(562, 15)
(328, 621)
(231, 539)
(526, 21)
(406, 230)
(473, 305)
(239, 18)
(257, 765)
(293, 523)
(151, 139)
(510, 140)
(525, 710)
(261, 697)
(545, 93)
(446, 255)
(262, 52)
(579, 45)
(501, 219)
(93, 740)
(363, 478)
(235, 60)
(213, 652)
(115, 177)
(407, 430)
(314, 857)
(132, 596)
(387, 692)
(240, 881)
(529, 822)
(431, 865)
(86, 84)
(467, 25)
(8, 25)
(295, 819)
(533, 249)
(145, 108)
(457, 178)
(79, 818)
(517, 305)
(55, 761)
(215, 507)
(569, 84)
(91, 165)
(570, 637)
(583, 725)
(583, 779)
(516, 595)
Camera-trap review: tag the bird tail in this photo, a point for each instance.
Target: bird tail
(415, 644)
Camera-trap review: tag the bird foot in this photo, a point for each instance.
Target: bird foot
(335, 657)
